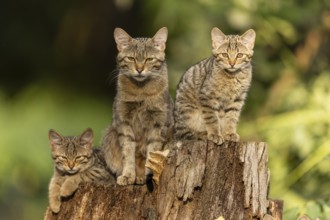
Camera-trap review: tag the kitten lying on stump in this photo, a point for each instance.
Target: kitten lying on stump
(76, 161)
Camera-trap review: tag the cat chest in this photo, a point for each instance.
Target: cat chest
(221, 97)
(222, 92)
(142, 116)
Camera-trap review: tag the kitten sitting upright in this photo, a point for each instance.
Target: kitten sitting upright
(142, 117)
(76, 161)
(211, 94)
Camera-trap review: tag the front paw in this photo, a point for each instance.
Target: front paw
(140, 180)
(217, 139)
(55, 206)
(125, 180)
(66, 191)
(234, 137)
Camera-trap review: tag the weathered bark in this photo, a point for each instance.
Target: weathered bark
(200, 180)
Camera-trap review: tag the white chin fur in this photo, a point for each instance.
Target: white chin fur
(140, 78)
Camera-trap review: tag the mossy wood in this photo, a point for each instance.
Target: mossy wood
(200, 180)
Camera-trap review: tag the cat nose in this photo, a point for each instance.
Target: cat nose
(71, 165)
(232, 63)
(139, 69)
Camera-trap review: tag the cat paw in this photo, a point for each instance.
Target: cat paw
(234, 137)
(125, 180)
(55, 206)
(217, 139)
(65, 192)
(140, 180)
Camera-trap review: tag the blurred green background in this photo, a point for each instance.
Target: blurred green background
(56, 68)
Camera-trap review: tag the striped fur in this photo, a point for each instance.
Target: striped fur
(211, 94)
(142, 109)
(76, 161)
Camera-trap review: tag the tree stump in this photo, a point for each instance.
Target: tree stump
(200, 180)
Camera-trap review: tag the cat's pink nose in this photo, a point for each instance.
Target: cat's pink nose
(139, 70)
(232, 63)
(71, 165)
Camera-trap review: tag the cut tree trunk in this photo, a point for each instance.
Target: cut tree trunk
(200, 180)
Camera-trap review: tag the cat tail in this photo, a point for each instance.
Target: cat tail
(111, 149)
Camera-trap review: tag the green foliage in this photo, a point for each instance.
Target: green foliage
(315, 209)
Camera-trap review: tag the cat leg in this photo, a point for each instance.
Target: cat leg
(212, 125)
(182, 131)
(230, 123)
(70, 185)
(128, 145)
(189, 124)
(128, 154)
(140, 170)
(209, 113)
(54, 195)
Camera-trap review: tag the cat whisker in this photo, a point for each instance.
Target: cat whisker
(112, 77)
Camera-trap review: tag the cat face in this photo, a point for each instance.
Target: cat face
(140, 58)
(71, 154)
(232, 52)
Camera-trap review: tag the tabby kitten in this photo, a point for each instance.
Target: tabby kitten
(76, 161)
(211, 94)
(142, 109)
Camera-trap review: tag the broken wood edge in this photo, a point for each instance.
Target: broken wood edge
(156, 163)
(276, 209)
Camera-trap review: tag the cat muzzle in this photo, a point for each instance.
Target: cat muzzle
(72, 171)
(140, 77)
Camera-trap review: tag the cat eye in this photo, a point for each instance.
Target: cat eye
(225, 55)
(62, 158)
(239, 55)
(80, 158)
(132, 59)
(150, 59)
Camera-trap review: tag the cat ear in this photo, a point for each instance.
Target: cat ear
(217, 38)
(122, 38)
(87, 137)
(54, 138)
(248, 38)
(159, 39)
